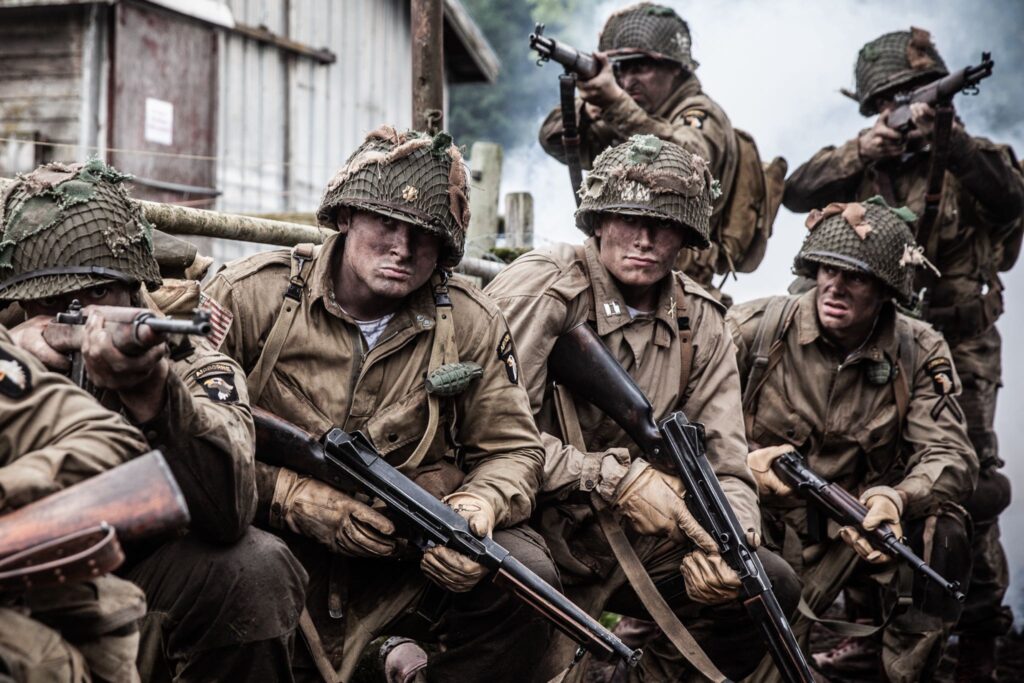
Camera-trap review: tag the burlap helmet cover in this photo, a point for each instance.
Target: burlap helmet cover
(410, 176)
(67, 227)
(868, 237)
(895, 61)
(647, 176)
(648, 29)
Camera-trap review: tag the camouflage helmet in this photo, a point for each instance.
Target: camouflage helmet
(410, 176)
(647, 30)
(67, 227)
(894, 61)
(867, 237)
(647, 176)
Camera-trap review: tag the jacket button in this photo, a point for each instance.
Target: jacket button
(392, 437)
(588, 485)
(791, 432)
(151, 436)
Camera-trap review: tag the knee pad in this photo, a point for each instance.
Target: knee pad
(990, 498)
(944, 542)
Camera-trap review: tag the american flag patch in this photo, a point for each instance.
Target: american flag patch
(220, 319)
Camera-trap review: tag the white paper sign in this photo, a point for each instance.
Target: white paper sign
(159, 121)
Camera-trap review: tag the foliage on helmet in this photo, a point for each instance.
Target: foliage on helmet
(866, 237)
(648, 29)
(67, 227)
(410, 176)
(647, 176)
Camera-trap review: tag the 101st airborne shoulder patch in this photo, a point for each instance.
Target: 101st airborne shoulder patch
(15, 378)
(218, 381)
(695, 117)
(506, 356)
(941, 372)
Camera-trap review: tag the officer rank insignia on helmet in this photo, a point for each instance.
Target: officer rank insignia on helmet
(15, 380)
(218, 381)
(941, 372)
(506, 356)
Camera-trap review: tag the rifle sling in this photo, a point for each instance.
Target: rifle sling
(74, 557)
(629, 563)
(926, 234)
(316, 647)
(570, 132)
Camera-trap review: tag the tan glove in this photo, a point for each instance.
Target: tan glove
(653, 502)
(760, 463)
(885, 505)
(452, 570)
(342, 523)
(709, 580)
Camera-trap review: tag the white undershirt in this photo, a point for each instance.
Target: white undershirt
(373, 329)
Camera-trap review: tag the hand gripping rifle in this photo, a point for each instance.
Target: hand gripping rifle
(940, 92)
(70, 535)
(581, 362)
(134, 331)
(576, 63)
(350, 463)
(841, 506)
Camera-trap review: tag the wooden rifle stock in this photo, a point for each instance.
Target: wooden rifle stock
(138, 499)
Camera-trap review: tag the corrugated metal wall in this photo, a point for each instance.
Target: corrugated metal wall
(288, 122)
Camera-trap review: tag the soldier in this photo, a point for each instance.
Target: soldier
(345, 334)
(977, 234)
(648, 85)
(56, 435)
(643, 202)
(70, 232)
(868, 396)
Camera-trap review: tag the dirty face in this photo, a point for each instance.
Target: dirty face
(639, 252)
(107, 294)
(384, 260)
(848, 304)
(649, 81)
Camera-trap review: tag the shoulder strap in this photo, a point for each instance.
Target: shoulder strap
(685, 338)
(302, 263)
(767, 351)
(906, 364)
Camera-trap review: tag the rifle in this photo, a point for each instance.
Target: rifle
(70, 534)
(576, 63)
(840, 505)
(940, 92)
(581, 362)
(350, 463)
(134, 331)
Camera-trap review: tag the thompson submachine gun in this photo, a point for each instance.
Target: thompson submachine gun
(581, 362)
(844, 508)
(350, 463)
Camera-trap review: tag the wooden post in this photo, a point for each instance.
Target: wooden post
(485, 181)
(519, 219)
(427, 21)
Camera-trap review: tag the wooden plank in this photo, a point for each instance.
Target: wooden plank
(485, 180)
(518, 220)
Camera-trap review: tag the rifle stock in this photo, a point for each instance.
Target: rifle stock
(582, 362)
(138, 499)
(350, 463)
(844, 508)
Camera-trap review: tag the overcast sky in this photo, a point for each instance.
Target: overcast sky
(776, 68)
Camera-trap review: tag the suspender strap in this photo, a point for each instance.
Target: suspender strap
(444, 350)
(302, 263)
(767, 351)
(570, 133)
(685, 338)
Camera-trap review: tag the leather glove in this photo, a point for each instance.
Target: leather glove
(709, 580)
(885, 505)
(760, 463)
(448, 568)
(653, 502)
(342, 523)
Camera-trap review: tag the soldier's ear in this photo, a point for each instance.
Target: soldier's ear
(343, 219)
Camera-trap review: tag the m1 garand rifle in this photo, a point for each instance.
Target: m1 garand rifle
(73, 534)
(133, 330)
(350, 463)
(577, 64)
(582, 363)
(840, 505)
(940, 92)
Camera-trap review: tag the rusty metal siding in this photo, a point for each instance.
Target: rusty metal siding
(41, 83)
(289, 122)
